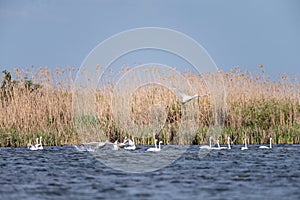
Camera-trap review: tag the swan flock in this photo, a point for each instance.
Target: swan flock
(129, 144)
(218, 147)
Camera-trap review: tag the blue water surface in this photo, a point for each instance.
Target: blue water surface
(65, 173)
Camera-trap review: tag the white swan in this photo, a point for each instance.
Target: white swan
(116, 145)
(228, 143)
(31, 146)
(186, 98)
(265, 147)
(131, 144)
(219, 145)
(122, 144)
(206, 146)
(40, 145)
(36, 142)
(155, 149)
(245, 147)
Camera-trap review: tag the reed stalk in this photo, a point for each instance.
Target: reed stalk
(37, 102)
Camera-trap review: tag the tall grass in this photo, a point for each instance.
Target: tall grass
(257, 107)
(46, 111)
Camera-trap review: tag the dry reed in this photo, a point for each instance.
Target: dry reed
(257, 107)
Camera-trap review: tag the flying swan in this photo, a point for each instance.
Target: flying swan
(186, 98)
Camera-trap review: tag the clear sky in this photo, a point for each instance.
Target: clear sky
(234, 32)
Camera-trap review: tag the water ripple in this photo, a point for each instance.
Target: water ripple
(64, 173)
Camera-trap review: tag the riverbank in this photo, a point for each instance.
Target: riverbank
(39, 103)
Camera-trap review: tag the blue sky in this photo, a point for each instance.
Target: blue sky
(234, 32)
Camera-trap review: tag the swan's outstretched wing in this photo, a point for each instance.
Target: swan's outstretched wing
(203, 95)
(182, 94)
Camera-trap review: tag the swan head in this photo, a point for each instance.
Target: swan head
(160, 142)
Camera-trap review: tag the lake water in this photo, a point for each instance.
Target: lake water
(65, 173)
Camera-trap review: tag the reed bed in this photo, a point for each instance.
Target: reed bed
(37, 102)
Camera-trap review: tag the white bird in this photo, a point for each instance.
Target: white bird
(228, 143)
(206, 146)
(265, 147)
(219, 145)
(39, 144)
(36, 142)
(245, 147)
(31, 146)
(155, 149)
(186, 98)
(123, 144)
(116, 145)
(131, 144)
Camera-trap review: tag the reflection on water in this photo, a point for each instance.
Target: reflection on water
(65, 173)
